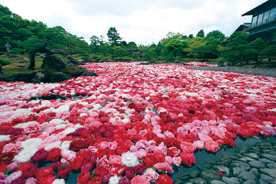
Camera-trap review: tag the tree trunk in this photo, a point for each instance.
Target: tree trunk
(32, 54)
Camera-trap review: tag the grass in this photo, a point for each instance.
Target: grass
(38, 63)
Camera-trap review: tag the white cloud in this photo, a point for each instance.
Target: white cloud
(141, 21)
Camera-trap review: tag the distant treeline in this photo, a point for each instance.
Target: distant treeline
(24, 35)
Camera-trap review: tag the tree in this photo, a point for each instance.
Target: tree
(200, 34)
(235, 47)
(258, 44)
(196, 47)
(191, 36)
(176, 47)
(113, 36)
(95, 43)
(269, 52)
(217, 35)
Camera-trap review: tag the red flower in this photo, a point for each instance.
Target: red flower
(164, 179)
(159, 156)
(3, 168)
(173, 151)
(84, 177)
(47, 179)
(117, 170)
(187, 159)
(149, 160)
(24, 167)
(101, 170)
(76, 163)
(101, 152)
(220, 173)
(64, 171)
(54, 154)
(95, 180)
(43, 172)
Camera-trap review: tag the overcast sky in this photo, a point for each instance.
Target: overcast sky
(141, 21)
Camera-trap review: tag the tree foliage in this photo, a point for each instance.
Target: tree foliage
(113, 36)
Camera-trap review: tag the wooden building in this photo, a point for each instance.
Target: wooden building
(263, 22)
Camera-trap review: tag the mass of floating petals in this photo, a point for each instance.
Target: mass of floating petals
(130, 124)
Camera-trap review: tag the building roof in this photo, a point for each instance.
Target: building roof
(268, 5)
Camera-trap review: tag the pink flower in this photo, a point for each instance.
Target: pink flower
(176, 161)
(12, 147)
(140, 154)
(140, 180)
(104, 145)
(164, 167)
(212, 146)
(199, 144)
(13, 176)
(68, 155)
(187, 147)
(31, 181)
(112, 145)
(151, 175)
(103, 162)
(169, 160)
(13, 166)
(115, 160)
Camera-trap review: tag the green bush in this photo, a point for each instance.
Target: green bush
(17, 51)
(219, 60)
(4, 61)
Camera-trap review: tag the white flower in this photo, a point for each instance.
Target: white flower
(31, 143)
(65, 145)
(69, 130)
(114, 180)
(24, 125)
(97, 106)
(53, 145)
(25, 155)
(4, 138)
(59, 181)
(78, 126)
(129, 159)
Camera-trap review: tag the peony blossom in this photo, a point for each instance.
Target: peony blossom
(151, 175)
(139, 180)
(114, 180)
(164, 167)
(129, 159)
(59, 181)
(25, 155)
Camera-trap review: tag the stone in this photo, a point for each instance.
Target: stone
(247, 175)
(15, 65)
(53, 62)
(198, 181)
(261, 182)
(270, 172)
(222, 168)
(266, 161)
(225, 160)
(270, 157)
(255, 171)
(252, 155)
(201, 168)
(242, 165)
(184, 175)
(39, 77)
(89, 73)
(210, 175)
(237, 170)
(217, 182)
(265, 145)
(267, 178)
(177, 181)
(60, 76)
(257, 164)
(231, 180)
(250, 182)
(194, 174)
(272, 165)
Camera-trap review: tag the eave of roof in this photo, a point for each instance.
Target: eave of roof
(269, 4)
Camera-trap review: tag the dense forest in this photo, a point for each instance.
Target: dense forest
(24, 35)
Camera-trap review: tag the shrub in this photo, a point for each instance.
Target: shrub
(4, 61)
(17, 51)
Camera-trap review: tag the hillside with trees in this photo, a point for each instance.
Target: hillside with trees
(25, 35)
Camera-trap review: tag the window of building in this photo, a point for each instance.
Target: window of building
(254, 21)
(266, 16)
(272, 14)
(260, 19)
